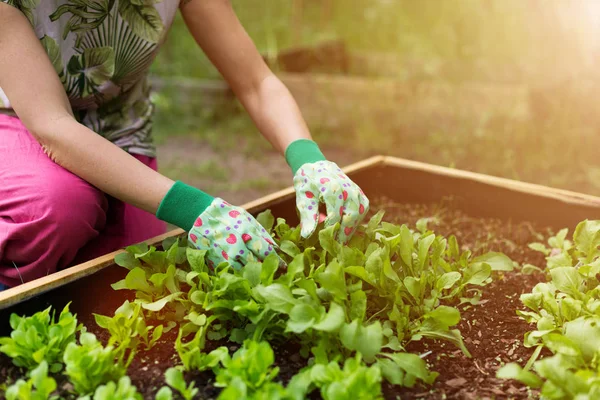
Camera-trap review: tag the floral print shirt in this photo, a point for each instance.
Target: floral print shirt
(102, 50)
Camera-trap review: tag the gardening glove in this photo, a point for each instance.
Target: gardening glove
(317, 180)
(226, 232)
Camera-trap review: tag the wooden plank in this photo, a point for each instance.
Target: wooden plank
(575, 201)
(36, 287)
(518, 186)
(39, 286)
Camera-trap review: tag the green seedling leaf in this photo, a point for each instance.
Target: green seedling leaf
(412, 364)
(196, 259)
(447, 280)
(556, 369)
(445, 316)
(587, 239)
(365, 339)
(175, 379)
(127, 260)
(164, 393)
(541, 248)
(567, 280)
(327, 240)
(529, 269)
(584, 333)
(413, 285)
(406, 245)
(160, 304)
(453, 336)
(362, 273)
(269, 267)
(424, 244)
(136, 280)
(333, 320)
(374, 222)
(252, 272)
(514, 371)
(333, 280)
(498, 261)
(289, 248)
(477, 274)
(266, 219)
(278, 297)
(302, 317)
(358, 309)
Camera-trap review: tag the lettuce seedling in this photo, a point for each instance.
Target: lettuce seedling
(237, 389)
(174, 378)
(355, 381)
(565, 310)
(388, 286)
(251, 364)
(40, 338)
(128, 327)
(38, 387)
(89, 364)
(192, 356)
(122, 390)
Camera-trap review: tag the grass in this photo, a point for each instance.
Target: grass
(186, 167)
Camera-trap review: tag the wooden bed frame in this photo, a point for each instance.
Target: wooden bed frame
(399, 179)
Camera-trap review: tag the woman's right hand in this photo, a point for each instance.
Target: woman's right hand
(230, 234)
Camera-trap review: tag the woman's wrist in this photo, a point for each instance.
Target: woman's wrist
(302, 151)
(182, 205)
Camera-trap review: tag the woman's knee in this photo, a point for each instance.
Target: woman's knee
(71, 213)
(51, 216)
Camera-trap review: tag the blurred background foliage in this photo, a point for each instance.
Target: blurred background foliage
(504, 87)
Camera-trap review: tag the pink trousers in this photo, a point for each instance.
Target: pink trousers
(50, 218)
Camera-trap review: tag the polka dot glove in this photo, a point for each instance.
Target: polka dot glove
(324, 181)
(229, 233)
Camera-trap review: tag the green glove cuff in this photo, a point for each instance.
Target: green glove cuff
(182, 205)
(302, 151)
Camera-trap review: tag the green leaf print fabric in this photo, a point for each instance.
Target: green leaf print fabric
(102, 50)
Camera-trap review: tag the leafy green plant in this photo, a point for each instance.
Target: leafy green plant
(237, 389)
(38, 387)
(354, 381)
(191, 354)
(251, 365)
(122, 390)
(164, 393)
(174, 378)
(40, 338)
(353, 309)
(89, 364)
(565, 311)
(128, 327)
(390, 285)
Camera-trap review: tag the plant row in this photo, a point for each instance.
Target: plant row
(351, 309)
(566, 312)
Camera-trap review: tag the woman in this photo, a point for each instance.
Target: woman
(77, 164)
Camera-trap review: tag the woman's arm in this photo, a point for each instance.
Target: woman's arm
(219, 33)
(39, 99)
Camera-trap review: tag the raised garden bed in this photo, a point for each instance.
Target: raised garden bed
(484, 213)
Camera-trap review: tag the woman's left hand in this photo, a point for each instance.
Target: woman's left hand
(324, 182)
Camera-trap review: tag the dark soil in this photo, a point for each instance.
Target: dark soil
(491, 330)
